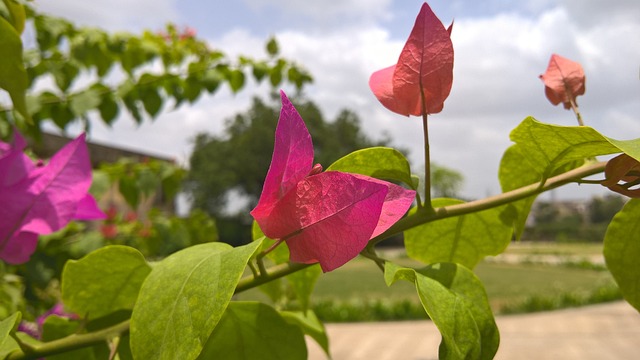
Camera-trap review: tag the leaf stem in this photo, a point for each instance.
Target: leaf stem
(71, 342)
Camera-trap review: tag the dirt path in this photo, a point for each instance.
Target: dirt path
(597, 332)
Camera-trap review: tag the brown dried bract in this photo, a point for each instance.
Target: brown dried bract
(622, 175)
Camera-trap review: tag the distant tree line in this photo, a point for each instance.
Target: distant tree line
(572, 221)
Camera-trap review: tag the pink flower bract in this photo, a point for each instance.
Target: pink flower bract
(425, 68)
(38, 200)
(327, 217)
(563, 81)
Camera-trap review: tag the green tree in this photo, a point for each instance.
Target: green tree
(234, 164)
(152, 70)
(445, 182)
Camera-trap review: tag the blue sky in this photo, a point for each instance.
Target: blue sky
(500, 49)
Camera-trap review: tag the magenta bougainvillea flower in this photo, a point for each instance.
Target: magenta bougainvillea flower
(35, 328)
(38, 199)
(326, 217)
(424, 69)
(563, 81)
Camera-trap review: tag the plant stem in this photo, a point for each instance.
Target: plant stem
(427, 162)
(274, 272)
(370, 253)
(71, 342)
(422, 217)
(574, 107)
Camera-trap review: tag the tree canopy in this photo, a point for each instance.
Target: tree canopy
(238, 159)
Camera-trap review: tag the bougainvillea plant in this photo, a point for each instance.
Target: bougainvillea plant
(182, 307)
(325, 217)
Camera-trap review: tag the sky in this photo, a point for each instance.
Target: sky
(501, 47)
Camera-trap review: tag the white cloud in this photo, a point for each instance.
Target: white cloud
(496, 85)
(114, 15)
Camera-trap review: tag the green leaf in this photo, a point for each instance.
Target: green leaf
(516, 172)
(303, 282)
(13, 76)
(275, 74)
(108, 108)
(151, 100)
(124, 348)
(253, 330)
(49, 31)
(548, 148)
(378, 162)
(18, 15)
(272, 47)
(7, 326)
(192, 89)
(310, 325)
(236, 79)
(61, 114)
(211, 80)
(260, 70)
(183, 299)
(457, 303)
(622, 251)
(465, 239)
(84, 101)
(104, 281)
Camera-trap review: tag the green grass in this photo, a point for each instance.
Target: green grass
(357, 292)
(552, 248)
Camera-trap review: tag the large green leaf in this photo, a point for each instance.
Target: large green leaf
(84, 101)
(13, 76)
(465, 239)
(549, 147)
(104, 281)
(457, 303)
(7, 343)
(622, 251)
(378, 162)
(514, 173)
(17, 14)
(184, 297)
(310, 325)
(253, 330)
